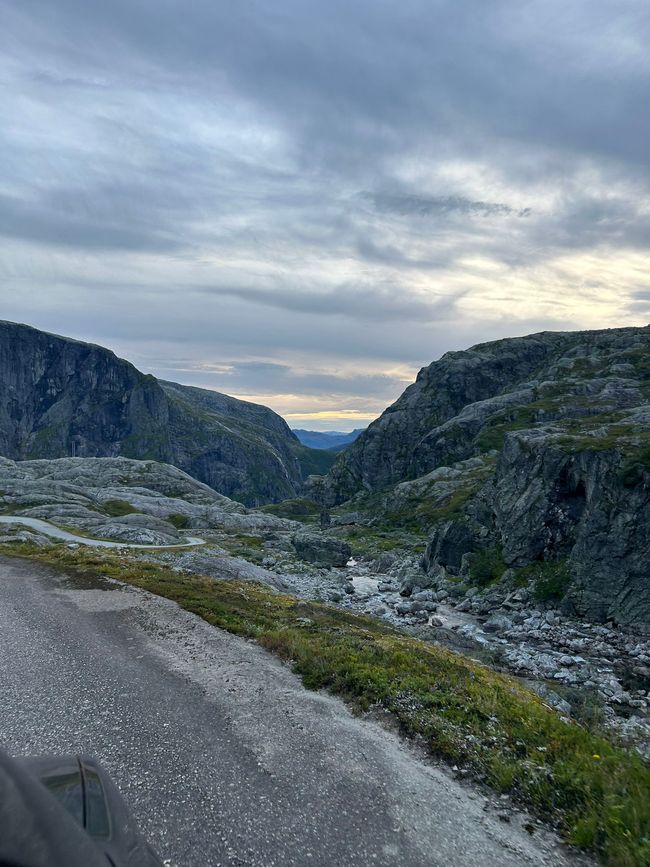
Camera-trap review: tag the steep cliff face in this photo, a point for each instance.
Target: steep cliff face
(241, 449)
(583, 498)
(463, 404)
(60, 397)
(553, 432)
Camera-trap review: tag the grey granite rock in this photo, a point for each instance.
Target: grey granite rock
(559, 425)
(321, 550)
(61, 397)
(123, 499)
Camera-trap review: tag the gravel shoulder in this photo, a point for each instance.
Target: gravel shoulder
(222, 754)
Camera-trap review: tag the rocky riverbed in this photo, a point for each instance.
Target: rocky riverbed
(598, 674)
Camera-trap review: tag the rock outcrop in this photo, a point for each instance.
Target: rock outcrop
(463, 404)
(61, 397)
(586, 499)
(143, 502)
(321, 550)
(520, 455)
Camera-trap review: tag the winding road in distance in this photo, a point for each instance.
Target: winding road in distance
(222, 755)
(57, 533)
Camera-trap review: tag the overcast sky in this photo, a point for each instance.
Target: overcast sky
(301, 202)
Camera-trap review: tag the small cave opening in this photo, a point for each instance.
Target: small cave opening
(571, 495)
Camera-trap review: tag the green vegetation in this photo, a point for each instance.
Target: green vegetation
(612, 432)
(181, 522)
(422, 513)
(552, 579)
(425, 505)
(596, 793)
(298, 509)
(553, 407)
(640, 359)
(485, 567)
(369, 542)
(243, 545)
(313, 462)
(118, 508)
(635, 466)
(516, 418)
(602, 436)
(46, 441)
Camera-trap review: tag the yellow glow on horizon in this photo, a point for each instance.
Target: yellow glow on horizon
(332, 415)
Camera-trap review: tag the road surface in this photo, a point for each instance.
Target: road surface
(223, 756)
(66, 536)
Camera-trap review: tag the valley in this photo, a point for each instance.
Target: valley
(497, 512)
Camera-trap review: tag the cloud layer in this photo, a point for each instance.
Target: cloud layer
(304, 202)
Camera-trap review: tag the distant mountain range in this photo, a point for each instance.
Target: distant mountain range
(61, 398)
(333, 441)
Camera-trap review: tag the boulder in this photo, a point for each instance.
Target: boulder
(321, 550)
(447, 546)
(497, 623)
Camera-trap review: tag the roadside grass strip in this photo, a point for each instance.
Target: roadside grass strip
(597, 794)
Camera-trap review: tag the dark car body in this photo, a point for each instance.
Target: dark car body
(66, 810)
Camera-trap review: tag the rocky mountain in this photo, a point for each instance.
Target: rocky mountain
(533, 450)
(336, 440)
(61, 397)
(120, 499)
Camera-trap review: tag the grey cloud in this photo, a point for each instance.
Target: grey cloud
(364, 303)
(188, 176)
(423, 206)
(465, 73)
(44, 222)
(262, 377)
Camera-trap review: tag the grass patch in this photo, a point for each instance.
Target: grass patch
(245, 540)
(313, 462)
(181, 522)
(369, 542)
(297, 509)
(419, 514)
(598, 794)
(635, 466)
(118, 508)
(516, 418)
(552, 579)
(243, 545)
(486, 567)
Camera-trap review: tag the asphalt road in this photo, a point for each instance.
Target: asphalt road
(222, 755)
(57, 533)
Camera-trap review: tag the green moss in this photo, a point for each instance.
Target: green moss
(181, 522)
(420, 514)
(635, 466)
(598, 794)
(539, 412)
(424, 507)
(516, 418)
(369, 542)
(244, 545)
(118, 508)
(47, 441)
(552, 579)
(485, 567)
(313, 462)
(297, 509)
(640, 359)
